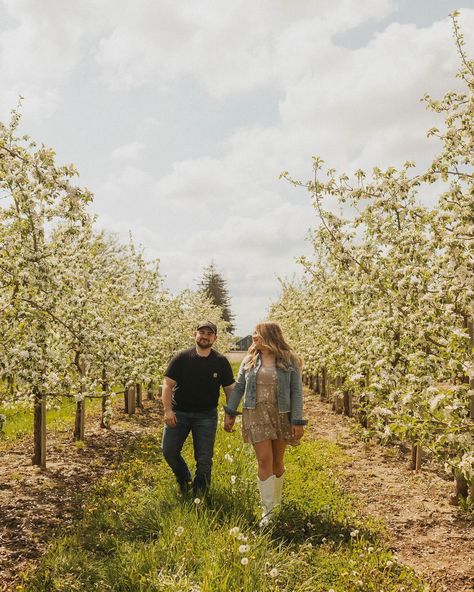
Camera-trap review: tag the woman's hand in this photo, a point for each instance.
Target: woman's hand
(229, 421)
(297, 431)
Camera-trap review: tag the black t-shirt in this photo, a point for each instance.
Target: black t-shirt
(198, 379)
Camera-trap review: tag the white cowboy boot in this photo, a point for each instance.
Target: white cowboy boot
(278, 490)
(267, 492)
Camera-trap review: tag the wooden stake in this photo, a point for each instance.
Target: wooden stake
(418, 458)
(338, 403)
(125, 397)
(79, 423)
(347, 403)
(105, 387)
(323, 384)
(150, 395)
(39, 413)
(139, 399)
(131, 400)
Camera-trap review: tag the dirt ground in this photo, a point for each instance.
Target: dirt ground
(34, 503)
(425, 531)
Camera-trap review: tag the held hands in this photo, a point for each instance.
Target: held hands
(297, 431)
(229, 422)
(170, 418)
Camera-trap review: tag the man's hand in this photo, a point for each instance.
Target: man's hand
(297, 431)
(170, 418)
(229, 421)
(167, 398)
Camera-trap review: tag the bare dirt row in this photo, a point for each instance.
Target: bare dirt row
(424, 529)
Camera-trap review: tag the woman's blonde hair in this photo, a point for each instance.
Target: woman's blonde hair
(272, 337)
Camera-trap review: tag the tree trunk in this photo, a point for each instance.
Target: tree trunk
(150, 394)
(131, 400)
(105, 388)
(39, 413)
(79, 423)
(418, 457)
(470, 328)
(139, 393)
(462, 490)
(125, 396)
(324, 384)
(338, 403)
(347, 403)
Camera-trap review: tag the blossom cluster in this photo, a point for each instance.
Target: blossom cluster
(80, 312)
(386, 306)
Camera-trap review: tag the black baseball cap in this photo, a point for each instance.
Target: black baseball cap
(207, 325)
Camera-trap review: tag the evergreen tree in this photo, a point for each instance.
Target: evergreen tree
(213, 285)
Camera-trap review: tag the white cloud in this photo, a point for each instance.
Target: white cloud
(128, 152)
(227, 46)
(354, 107)
(37, 53)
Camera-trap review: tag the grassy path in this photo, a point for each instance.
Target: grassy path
(136, 534)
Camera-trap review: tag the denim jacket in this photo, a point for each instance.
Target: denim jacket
(289, 391)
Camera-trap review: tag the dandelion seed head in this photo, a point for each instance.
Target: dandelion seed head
(244, 549)
(354, 533)
(197, 501)
(179, 531)
(274, 573)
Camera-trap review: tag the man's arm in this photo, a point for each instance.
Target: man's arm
(167, 398)
(228, 391)
(228, 419)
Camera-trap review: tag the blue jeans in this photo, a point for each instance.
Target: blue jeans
(203, 426)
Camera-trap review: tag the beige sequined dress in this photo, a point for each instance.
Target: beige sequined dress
(265, 422)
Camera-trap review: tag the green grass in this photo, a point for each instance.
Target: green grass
(19, 419)
(137, 534)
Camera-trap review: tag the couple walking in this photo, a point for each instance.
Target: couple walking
(269, 381)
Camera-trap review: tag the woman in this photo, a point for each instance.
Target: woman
(269, 380)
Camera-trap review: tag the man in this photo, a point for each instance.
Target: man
(190, 396)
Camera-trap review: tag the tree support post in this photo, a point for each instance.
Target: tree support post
(324, 384)
(131, 400)
(105, 388)
(80, 420)
(347, 395)
(139, 395)
(39, 413)
(150, 391)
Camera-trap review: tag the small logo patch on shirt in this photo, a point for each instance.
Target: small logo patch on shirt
(214, 375)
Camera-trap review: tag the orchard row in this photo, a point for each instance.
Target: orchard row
(81, 314)
(386, 306)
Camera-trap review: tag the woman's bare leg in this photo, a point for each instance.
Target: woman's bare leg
(278, 452)
(264, 454)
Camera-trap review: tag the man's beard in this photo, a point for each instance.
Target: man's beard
(205, 345)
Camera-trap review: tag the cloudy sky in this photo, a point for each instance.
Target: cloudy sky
(180, 115)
